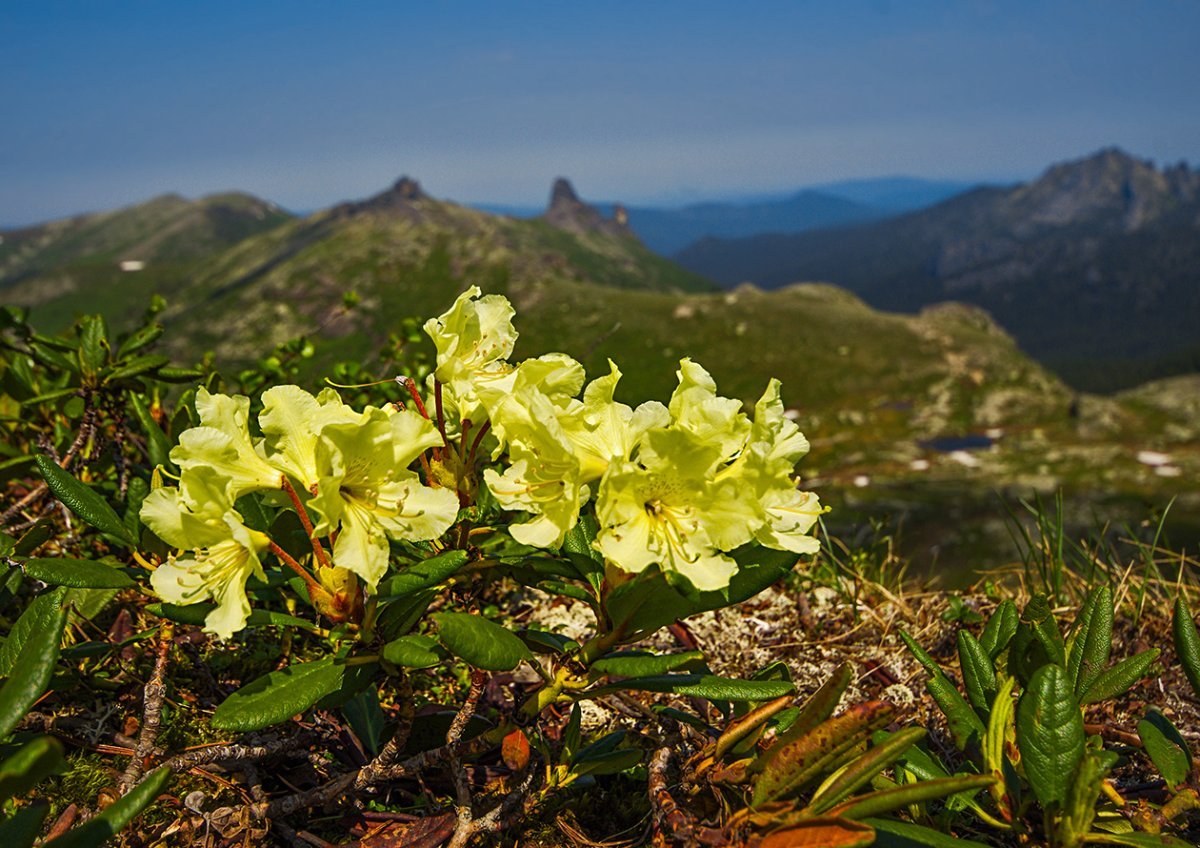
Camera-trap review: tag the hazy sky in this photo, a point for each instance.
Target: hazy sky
(308, 103)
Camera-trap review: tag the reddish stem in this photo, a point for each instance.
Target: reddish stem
(291, 563)
(318, 549)
(487, 425)
(416, 396)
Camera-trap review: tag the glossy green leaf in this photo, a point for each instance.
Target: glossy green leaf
(979, 678)
(999, 630)
(1165, 747)
(546, 642)
(701, 686)
(77, 573)
(1118, 679)
(135, 367)
(481, 643)
(195, 614)
(1187, 642)
(414, 651)
(644, 663)
(179, 375)
(29, 629)
(93, 344)
(33, 666)
(82, 501)
(890, 833)
(1050, 734)
(32, 763)
(887, 800)
(279, 695)
(33, 538)
(95, 832)
(1091, 645)
(965, 724)
(423, 575)
(141, 338)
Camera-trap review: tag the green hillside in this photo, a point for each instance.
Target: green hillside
(113, 262)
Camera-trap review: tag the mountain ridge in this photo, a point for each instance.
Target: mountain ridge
(1091, 266)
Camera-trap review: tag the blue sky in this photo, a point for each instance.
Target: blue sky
(309, 103)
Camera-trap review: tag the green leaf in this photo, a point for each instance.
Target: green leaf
(999, 630)
(77, 573)
(179, 375)
(401, 615)
(790, 767)
(701, 686)
(1091, 644)
(50, 397)
(1138, 840)
(965, 724)
(817, 709)
(1120, 677)
(1165, 747)
(158, 446)
(82, 501)
(195, 614)
(32, 763)
(414, 651)
(136, 366)
(644, 663)
(1050, 734)
(29, 628)
(23, 829)
(33, 668)
(890, 833)
(1187, 642)
(93, 344)
(482, 643)
(95, 832)
(365, 718)
(279, 695)
(546, 642)
(979, 678)
(34, 537)
(887, 800)
(423, 575)
(648, 601)
(142, 337)
(609, 762)
(843, 783)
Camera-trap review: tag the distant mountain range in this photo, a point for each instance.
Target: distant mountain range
(1094, 267)
(874, 391)
(667, 230)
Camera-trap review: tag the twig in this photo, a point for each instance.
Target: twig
(668, 818)
(155, 693)
(462, 787)
(372, 771)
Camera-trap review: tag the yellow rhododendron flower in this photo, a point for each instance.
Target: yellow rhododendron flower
(198, 517)
(473, 339)
(366, 492)
(222, 442)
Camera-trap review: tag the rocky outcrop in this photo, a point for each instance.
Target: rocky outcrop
(567, 212)
(403, 198)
